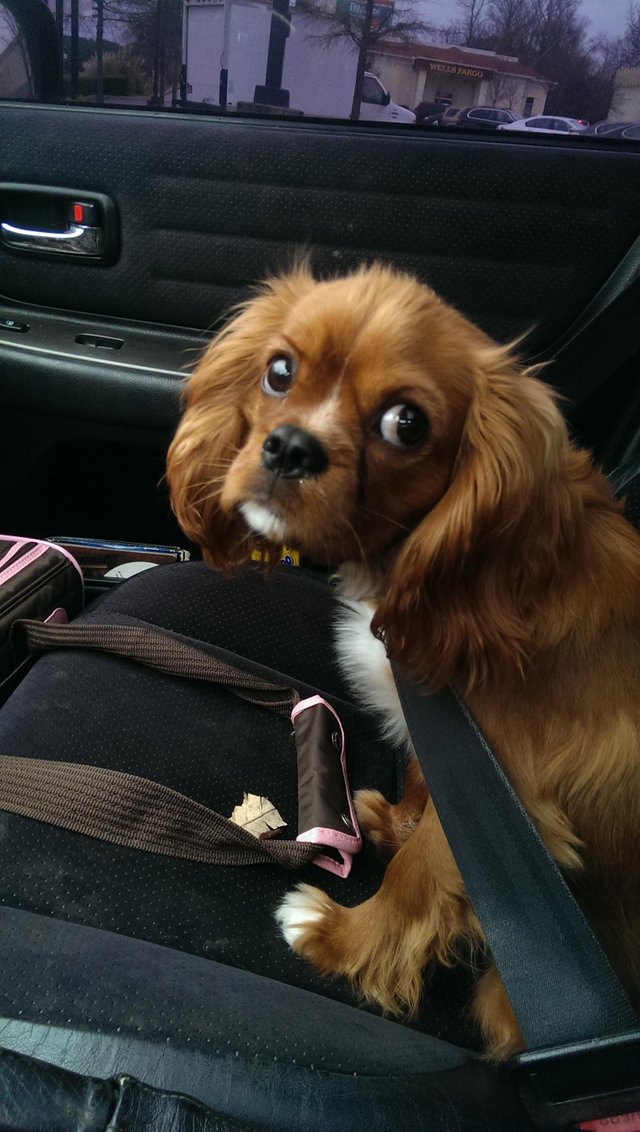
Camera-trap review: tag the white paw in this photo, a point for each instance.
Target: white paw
(300, 908)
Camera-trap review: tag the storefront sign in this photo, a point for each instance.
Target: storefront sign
(357, 10)
(458, 69)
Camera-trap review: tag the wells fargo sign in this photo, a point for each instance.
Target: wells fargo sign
(458, 69)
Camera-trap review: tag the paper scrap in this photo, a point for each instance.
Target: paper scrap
(257, 815)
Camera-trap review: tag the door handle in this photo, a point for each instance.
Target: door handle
(77, 239)
(61, 223)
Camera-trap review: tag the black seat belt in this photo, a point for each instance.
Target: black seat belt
(603, 337)
(562, 988)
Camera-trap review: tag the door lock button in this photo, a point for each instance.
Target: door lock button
(14, 325)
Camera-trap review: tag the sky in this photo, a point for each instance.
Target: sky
(606, 17)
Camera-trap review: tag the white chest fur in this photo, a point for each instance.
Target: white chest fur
(365, 666)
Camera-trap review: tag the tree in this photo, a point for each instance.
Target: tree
(473, 19)
(629, 43)
(550, 36)
(364, 22)
(154, 31)
(471, 29)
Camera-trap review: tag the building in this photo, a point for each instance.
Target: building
(459, 76)
(625, 101)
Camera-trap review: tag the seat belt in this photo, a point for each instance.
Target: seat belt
(581, 1069)
(538, 936)
(603, 337)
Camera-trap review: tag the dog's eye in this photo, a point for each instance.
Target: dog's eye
(278, 379)
(404, 426)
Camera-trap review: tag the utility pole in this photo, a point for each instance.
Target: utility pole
(362, 60)
(99, 51)
(74, 61)
(224, 60)
(272, 94)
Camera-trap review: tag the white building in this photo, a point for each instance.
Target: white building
(625, 102)
(459, 76)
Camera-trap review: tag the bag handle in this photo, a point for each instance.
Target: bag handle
(143, 814)
(136, 812)
(166, 651)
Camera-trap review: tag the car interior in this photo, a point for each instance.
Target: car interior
(146, 991)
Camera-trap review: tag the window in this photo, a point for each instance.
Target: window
(303, 57)
(372, 91)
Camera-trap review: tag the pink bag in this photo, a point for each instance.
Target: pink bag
(38, 580)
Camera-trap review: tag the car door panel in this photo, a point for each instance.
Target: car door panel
(206, 206)
(520, 235)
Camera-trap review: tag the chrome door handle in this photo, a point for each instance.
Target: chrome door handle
(77, 239)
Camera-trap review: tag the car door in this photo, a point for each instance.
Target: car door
(194, 206)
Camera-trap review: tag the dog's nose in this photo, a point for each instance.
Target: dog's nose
(293, 453)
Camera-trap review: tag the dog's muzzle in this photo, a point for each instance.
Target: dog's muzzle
(294, 453)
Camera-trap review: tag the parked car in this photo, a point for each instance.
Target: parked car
(547, 124)
(599, 128)
(427, 113)
(629, 130)
(481, 117)
(447, 116)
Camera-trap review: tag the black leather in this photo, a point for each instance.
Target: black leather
(269, 1055)
(39, 1097)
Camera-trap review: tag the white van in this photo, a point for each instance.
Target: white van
(376, 104)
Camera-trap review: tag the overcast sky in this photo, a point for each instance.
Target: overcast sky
(609, 16)
(604, 16)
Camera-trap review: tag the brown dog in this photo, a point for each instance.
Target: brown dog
(366, 422)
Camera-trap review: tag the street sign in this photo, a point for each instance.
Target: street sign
(357, 10)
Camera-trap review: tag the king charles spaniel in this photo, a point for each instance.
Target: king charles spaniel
(366, 422)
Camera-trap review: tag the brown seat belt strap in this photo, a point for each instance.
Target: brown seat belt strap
(135, 812)
(166, 651)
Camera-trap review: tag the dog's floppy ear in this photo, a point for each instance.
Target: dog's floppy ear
(214, 425)
(466, 589)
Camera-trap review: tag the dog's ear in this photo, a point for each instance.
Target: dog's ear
(214, 424)
(466, 590)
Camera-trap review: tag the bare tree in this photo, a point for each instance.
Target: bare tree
(154, 29)
(551, 37)
(364, 22)
(502, 90)
(630, 41)
(473, 14)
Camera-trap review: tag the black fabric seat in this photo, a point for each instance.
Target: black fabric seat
(120, 962)
(116, 954)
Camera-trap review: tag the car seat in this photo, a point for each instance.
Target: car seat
(140, 988)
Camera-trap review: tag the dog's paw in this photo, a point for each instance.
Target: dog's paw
(359, 944)
(300, 909)
(387, 825)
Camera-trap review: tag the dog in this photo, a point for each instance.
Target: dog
(368, 423)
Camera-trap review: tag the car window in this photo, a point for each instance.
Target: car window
(502, 59)
(372, 90)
